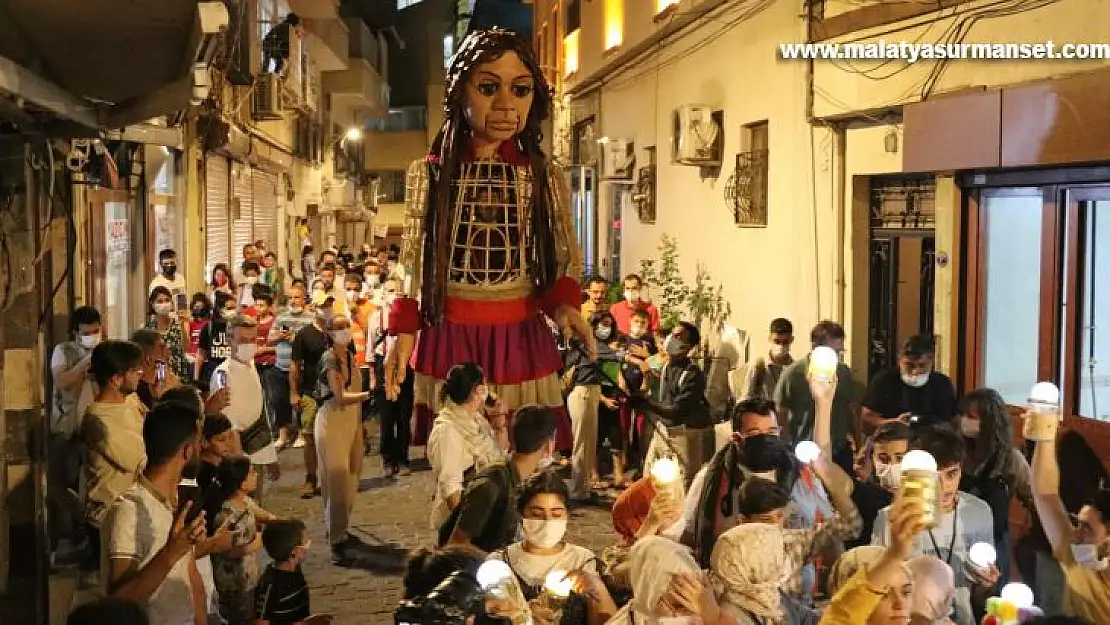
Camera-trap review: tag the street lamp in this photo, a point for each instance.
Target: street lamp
(354, 133)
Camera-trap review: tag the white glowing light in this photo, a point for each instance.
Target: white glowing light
(982, 555)
(918, 460)
(557, 583)
(664, 470)
(354, 133)
(807, 451)
(823, 362)
(1020, 595)
(492, 573)
(1045, 393)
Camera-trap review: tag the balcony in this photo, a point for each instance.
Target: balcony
(357, 92)
(315, 9)
(394, 150)
(328, 43)
(366, 45)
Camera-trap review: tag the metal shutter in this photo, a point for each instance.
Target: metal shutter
(242, 226)
(265, 207)
(217, 245)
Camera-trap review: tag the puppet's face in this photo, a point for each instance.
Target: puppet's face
(498, 97)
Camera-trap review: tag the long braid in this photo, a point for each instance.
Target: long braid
(723, 477)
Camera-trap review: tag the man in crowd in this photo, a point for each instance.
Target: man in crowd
(487, 516)
(309, 346)
(794, 399)
(912, 389)
(250, 255)
(394, 416)
(246, 405)
(962, 520)
(149, 539)
(761, 378)
(1082, 548)
(277, 379)
(170, 278)
(633, 299)
(73, 392)
(597, 296)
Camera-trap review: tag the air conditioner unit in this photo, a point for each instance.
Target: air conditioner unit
(267, 97)
(695, 136)
(618, 159)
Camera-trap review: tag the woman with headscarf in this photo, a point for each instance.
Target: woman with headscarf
(748, 565)
(934, 590)
(488, 240)
(462, 442)
(872, 585)
(667, 584)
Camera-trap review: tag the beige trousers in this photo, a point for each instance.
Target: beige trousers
(338, 433)
(693, 447)
(582, 405)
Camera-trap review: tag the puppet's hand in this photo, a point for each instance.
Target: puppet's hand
(396, 364)
(571, 323)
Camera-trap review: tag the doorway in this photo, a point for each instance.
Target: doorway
(902, 266)
(115, 272)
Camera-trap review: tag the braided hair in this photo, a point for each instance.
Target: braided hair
(451, 145)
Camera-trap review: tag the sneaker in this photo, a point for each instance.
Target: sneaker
(346, 551)
(282, 439)
(300, 442)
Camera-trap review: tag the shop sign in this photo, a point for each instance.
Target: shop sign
(119, 236)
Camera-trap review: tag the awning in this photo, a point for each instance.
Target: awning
(110, 63)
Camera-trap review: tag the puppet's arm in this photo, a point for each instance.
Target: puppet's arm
(404, 314)
(566, 244)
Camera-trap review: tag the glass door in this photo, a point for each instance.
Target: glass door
(110, 270)
(583, 208)
(1085, 310)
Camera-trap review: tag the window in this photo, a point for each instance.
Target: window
(570, 53)
(1094, 292)
(401, 120)
(391, 186)
(448, 50)
(574, 15)
(404, 4)
(270, 14)
(614, 23)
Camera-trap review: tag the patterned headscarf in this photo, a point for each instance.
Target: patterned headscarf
(851, 563)
(934, 588)
(749, 565)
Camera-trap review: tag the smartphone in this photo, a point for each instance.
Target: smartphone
(491, 400)
(182, 301)
(189, 491)
(160, 370)
(221, 379)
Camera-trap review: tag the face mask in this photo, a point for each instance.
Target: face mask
(969, 427)
(544, 534)
(636, 332)
(296, 310)
(1086, 556)
(677, 348)
(352, 295)
(245, 353)
(228, 313)
(915, 381)
(341, 337)
(252, 280)
(163, 308)
(603, 332)
(169, 270)
(373, 279)
(200, 312)
(888, 475)
(89, 341)
(632, 296)
(778, 351)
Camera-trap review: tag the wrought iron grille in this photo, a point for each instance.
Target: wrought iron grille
(906, 203)
(746, 189)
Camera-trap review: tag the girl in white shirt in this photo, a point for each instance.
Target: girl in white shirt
(461, 440)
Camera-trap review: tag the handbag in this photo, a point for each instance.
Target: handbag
(257, 436)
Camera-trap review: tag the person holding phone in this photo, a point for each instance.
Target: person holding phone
(165, 320)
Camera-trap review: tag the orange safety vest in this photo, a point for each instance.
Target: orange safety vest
(359, 319)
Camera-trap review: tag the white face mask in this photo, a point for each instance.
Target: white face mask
(296, 310)
(373, 279)
(341, 337)
(603, 332)
(352, 296)
(778, 351)
(969, 427)
(245, 352)
(229, 313)
(915, 381)
(252, 280)
(1086, 556)
(544, 534)
(632, 296)
(89, 341)
(888, 475)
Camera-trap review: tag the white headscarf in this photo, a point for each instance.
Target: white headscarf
(654, 560)
(475, 430)
(934, 588)
(749, 564)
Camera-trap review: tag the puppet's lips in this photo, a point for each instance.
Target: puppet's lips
(503, 125)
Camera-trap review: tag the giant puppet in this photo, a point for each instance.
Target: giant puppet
(488, 239)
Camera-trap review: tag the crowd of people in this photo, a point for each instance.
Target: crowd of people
(161, 448)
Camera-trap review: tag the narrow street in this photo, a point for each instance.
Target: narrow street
(388, 511)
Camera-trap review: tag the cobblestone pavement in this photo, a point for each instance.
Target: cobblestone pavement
(388, 510)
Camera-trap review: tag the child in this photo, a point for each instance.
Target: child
(281, 597)
(251, 273)
(236, 571)
(202, 315)
(212, 346)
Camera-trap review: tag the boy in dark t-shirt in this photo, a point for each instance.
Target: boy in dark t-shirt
(281, 596)
(213, 347)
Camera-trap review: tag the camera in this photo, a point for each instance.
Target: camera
(457, 598)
